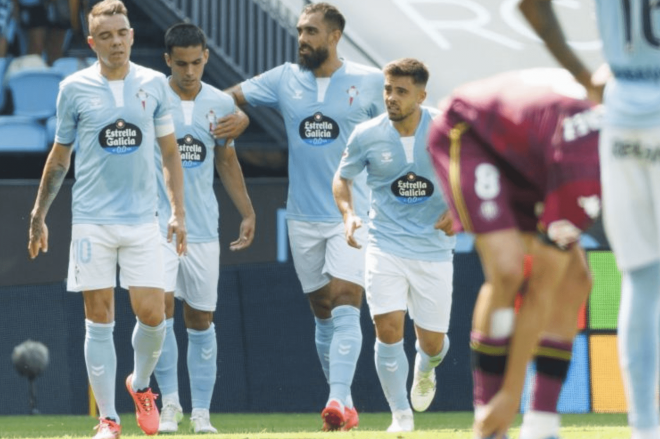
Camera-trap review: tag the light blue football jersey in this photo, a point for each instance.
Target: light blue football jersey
(406, 197)
(630, 31)
(317, 130)
(197, 147)
(114, 159)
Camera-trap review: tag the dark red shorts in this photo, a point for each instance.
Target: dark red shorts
(486, 194)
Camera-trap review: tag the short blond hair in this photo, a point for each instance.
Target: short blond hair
(108, 8)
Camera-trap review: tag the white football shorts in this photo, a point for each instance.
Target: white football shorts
(193, 277)
(424, 288)
(630, 177)
(320, 252)
(97, 249)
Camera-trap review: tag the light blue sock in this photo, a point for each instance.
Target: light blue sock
(639, 317)
(323, 338)
(166, 369)
(428, 363)
(202, 366)
(392, 368)
(344, 351)
(147, 344)
(101, 362)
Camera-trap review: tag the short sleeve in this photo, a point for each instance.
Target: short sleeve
(352, 161)
(263, 89)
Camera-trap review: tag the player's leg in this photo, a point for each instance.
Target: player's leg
(166, 371)
(501, 255)
(197, 286)
(553, 356)
(429, 303)
(92, 269)
(631, 215)
(344, 265)
(309, 248)
(141, 272)
(387, 290)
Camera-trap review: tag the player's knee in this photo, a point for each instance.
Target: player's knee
(198, 320)
(509, 275)
(151, 316)
(431, 346)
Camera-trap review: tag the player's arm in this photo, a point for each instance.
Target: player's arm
(173, 175)
(231, 126)
(343, 194)
(236, 92)
(541, 16)
(231, 175)
(57, 165)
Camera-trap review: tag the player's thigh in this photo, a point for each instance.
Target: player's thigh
(308, 251)
(92, 257)
(199, 273)
(386, 285)
(170, 264)
(430, 296)
(343, 261)
(629, 191)
(140, 256)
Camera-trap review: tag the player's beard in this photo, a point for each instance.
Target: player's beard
(313, 59)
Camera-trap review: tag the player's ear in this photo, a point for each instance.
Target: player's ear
(206, 55)
(90, 42)
(422, 95)
(167, 58)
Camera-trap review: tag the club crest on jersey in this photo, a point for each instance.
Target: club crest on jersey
(318, 130)
(142, 96)
(193, 151)
(120, 137)
(352, 94)
(591, 205)
(412, 188)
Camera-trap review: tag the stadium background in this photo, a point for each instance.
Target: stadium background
(267, 360)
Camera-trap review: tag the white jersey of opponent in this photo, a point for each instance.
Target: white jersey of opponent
(194, 122)
(630, 30)
(406, 198)
(317, 126)
(115, 122)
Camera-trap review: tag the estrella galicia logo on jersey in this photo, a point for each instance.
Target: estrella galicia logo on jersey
(193, 151)
(319, 130)
(120, 137)
(412, 189)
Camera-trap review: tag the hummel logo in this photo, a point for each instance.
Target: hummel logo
(98, 370)
(326, 357)
(156, 354)
(387, 157)
(297, 94)
(207, 353)
(344, 349)
(392, 366)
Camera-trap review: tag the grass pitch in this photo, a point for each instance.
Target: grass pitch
(453, 425)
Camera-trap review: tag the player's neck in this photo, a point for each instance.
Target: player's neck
(114, 74)
(408, 126)
(185, 95)
(326, 69)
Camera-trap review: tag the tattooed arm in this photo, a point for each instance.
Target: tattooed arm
(55, 170)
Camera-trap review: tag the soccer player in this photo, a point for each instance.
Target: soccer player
(322, 98)
(408, 260)
(629, 172)
(517, 156)
(119, 111)
(193, 279)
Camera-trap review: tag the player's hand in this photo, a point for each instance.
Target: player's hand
(37, 236)
(231, 126)
(351, 224)
(176, 226)
(496, 417)
(445, 223)
(246, 234)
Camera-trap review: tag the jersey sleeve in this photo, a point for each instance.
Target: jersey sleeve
(65, 129)
(163, 122)
(263, 89)
(352, 161)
